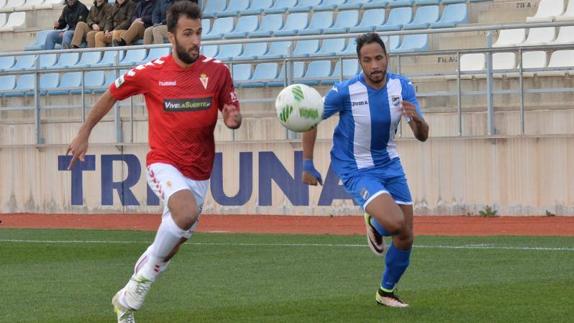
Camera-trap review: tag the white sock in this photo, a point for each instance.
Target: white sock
(168, 236)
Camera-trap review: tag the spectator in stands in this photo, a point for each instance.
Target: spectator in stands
(72, 13)
(157, 34)
(140, 21)
(116, 23)
(95, 22)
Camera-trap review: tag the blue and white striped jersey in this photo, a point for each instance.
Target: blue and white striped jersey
(368, 121)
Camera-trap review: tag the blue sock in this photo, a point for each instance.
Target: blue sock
(379, 228)
(397, 262)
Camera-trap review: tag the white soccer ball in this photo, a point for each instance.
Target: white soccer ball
(299, 107)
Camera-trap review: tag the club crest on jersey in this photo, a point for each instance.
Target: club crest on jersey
(204, 80)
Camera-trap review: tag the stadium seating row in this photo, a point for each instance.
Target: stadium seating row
(224, 8)
(536, 36)
(225, 52)
(9, 22)
(507, 61)
(553, 10)
(21, 5)
(331, 22)
(244, 75)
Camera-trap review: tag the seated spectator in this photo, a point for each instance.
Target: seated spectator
(140, 21)
(95, 22)
(116, 23)
(157, 33)
(73, 12)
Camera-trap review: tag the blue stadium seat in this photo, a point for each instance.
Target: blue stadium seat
(205, 26)
(320, 21)
(281, 6)
(90, 59)
(424, 16)
(253, 50)
(426, 2)
(209, 50)
(214, 7)
(370, 20)
(6, 62)
(264, 73)
(305, 48)
(228, 52)
(134, 57)
(400, 3)
(298, 70)
(48, 60)
(331, 47)
(25, 85)
(157, 52)
(68, 81)
(353, 4)
(351, 68)
(241, 73)
(397, 18)
(446, 2)
(67, 60)
(39, 41)
(329, 5)
(245, 25)
(7, 84)
(392, 42)
(49, 82)
(294, 23)
(346, 19)
(452, 15)
(378, 3)
(257, 6)
(24, 62)
(109, 58)
(221, 26)
(269, 24)
(316, 72)
(111, 76)
(305, 5)
(351, 48)
(278, 49)
(411, 43)
(234, 8)
(93, 81)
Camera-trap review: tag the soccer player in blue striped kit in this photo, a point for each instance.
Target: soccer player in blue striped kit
(364, 156)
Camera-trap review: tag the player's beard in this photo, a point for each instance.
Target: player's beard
(184, 55)
(377, 78)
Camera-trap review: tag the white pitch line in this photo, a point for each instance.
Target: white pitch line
(329, 245)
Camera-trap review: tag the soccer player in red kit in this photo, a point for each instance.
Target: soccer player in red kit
(183, 93)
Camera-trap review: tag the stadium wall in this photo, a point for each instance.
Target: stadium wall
(448, 176)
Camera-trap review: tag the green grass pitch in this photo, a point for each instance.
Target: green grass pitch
(71, 275)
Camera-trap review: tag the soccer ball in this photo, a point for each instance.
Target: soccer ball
(299, 107)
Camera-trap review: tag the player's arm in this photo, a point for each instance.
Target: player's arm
(228, 97)
(417, 122)
(413, 113)
(79, 146)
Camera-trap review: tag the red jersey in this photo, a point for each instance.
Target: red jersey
(182, 106)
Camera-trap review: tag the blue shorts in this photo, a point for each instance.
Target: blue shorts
(365, 185)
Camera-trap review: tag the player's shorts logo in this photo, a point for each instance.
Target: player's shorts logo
(186, 105)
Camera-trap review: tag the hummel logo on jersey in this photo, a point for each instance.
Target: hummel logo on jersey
(167, 83)
(355, 103)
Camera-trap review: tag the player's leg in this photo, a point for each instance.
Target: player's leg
(181, 212)
(397, 258)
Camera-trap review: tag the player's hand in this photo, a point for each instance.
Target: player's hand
(410, 111)
(231, 116)
(78, 148)
(311, 175)
(96, 27)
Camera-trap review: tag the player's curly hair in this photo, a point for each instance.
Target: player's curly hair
(181, 8)
(369, 38)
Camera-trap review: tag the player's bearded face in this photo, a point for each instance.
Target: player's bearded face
(374, 62)
(187, 55)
